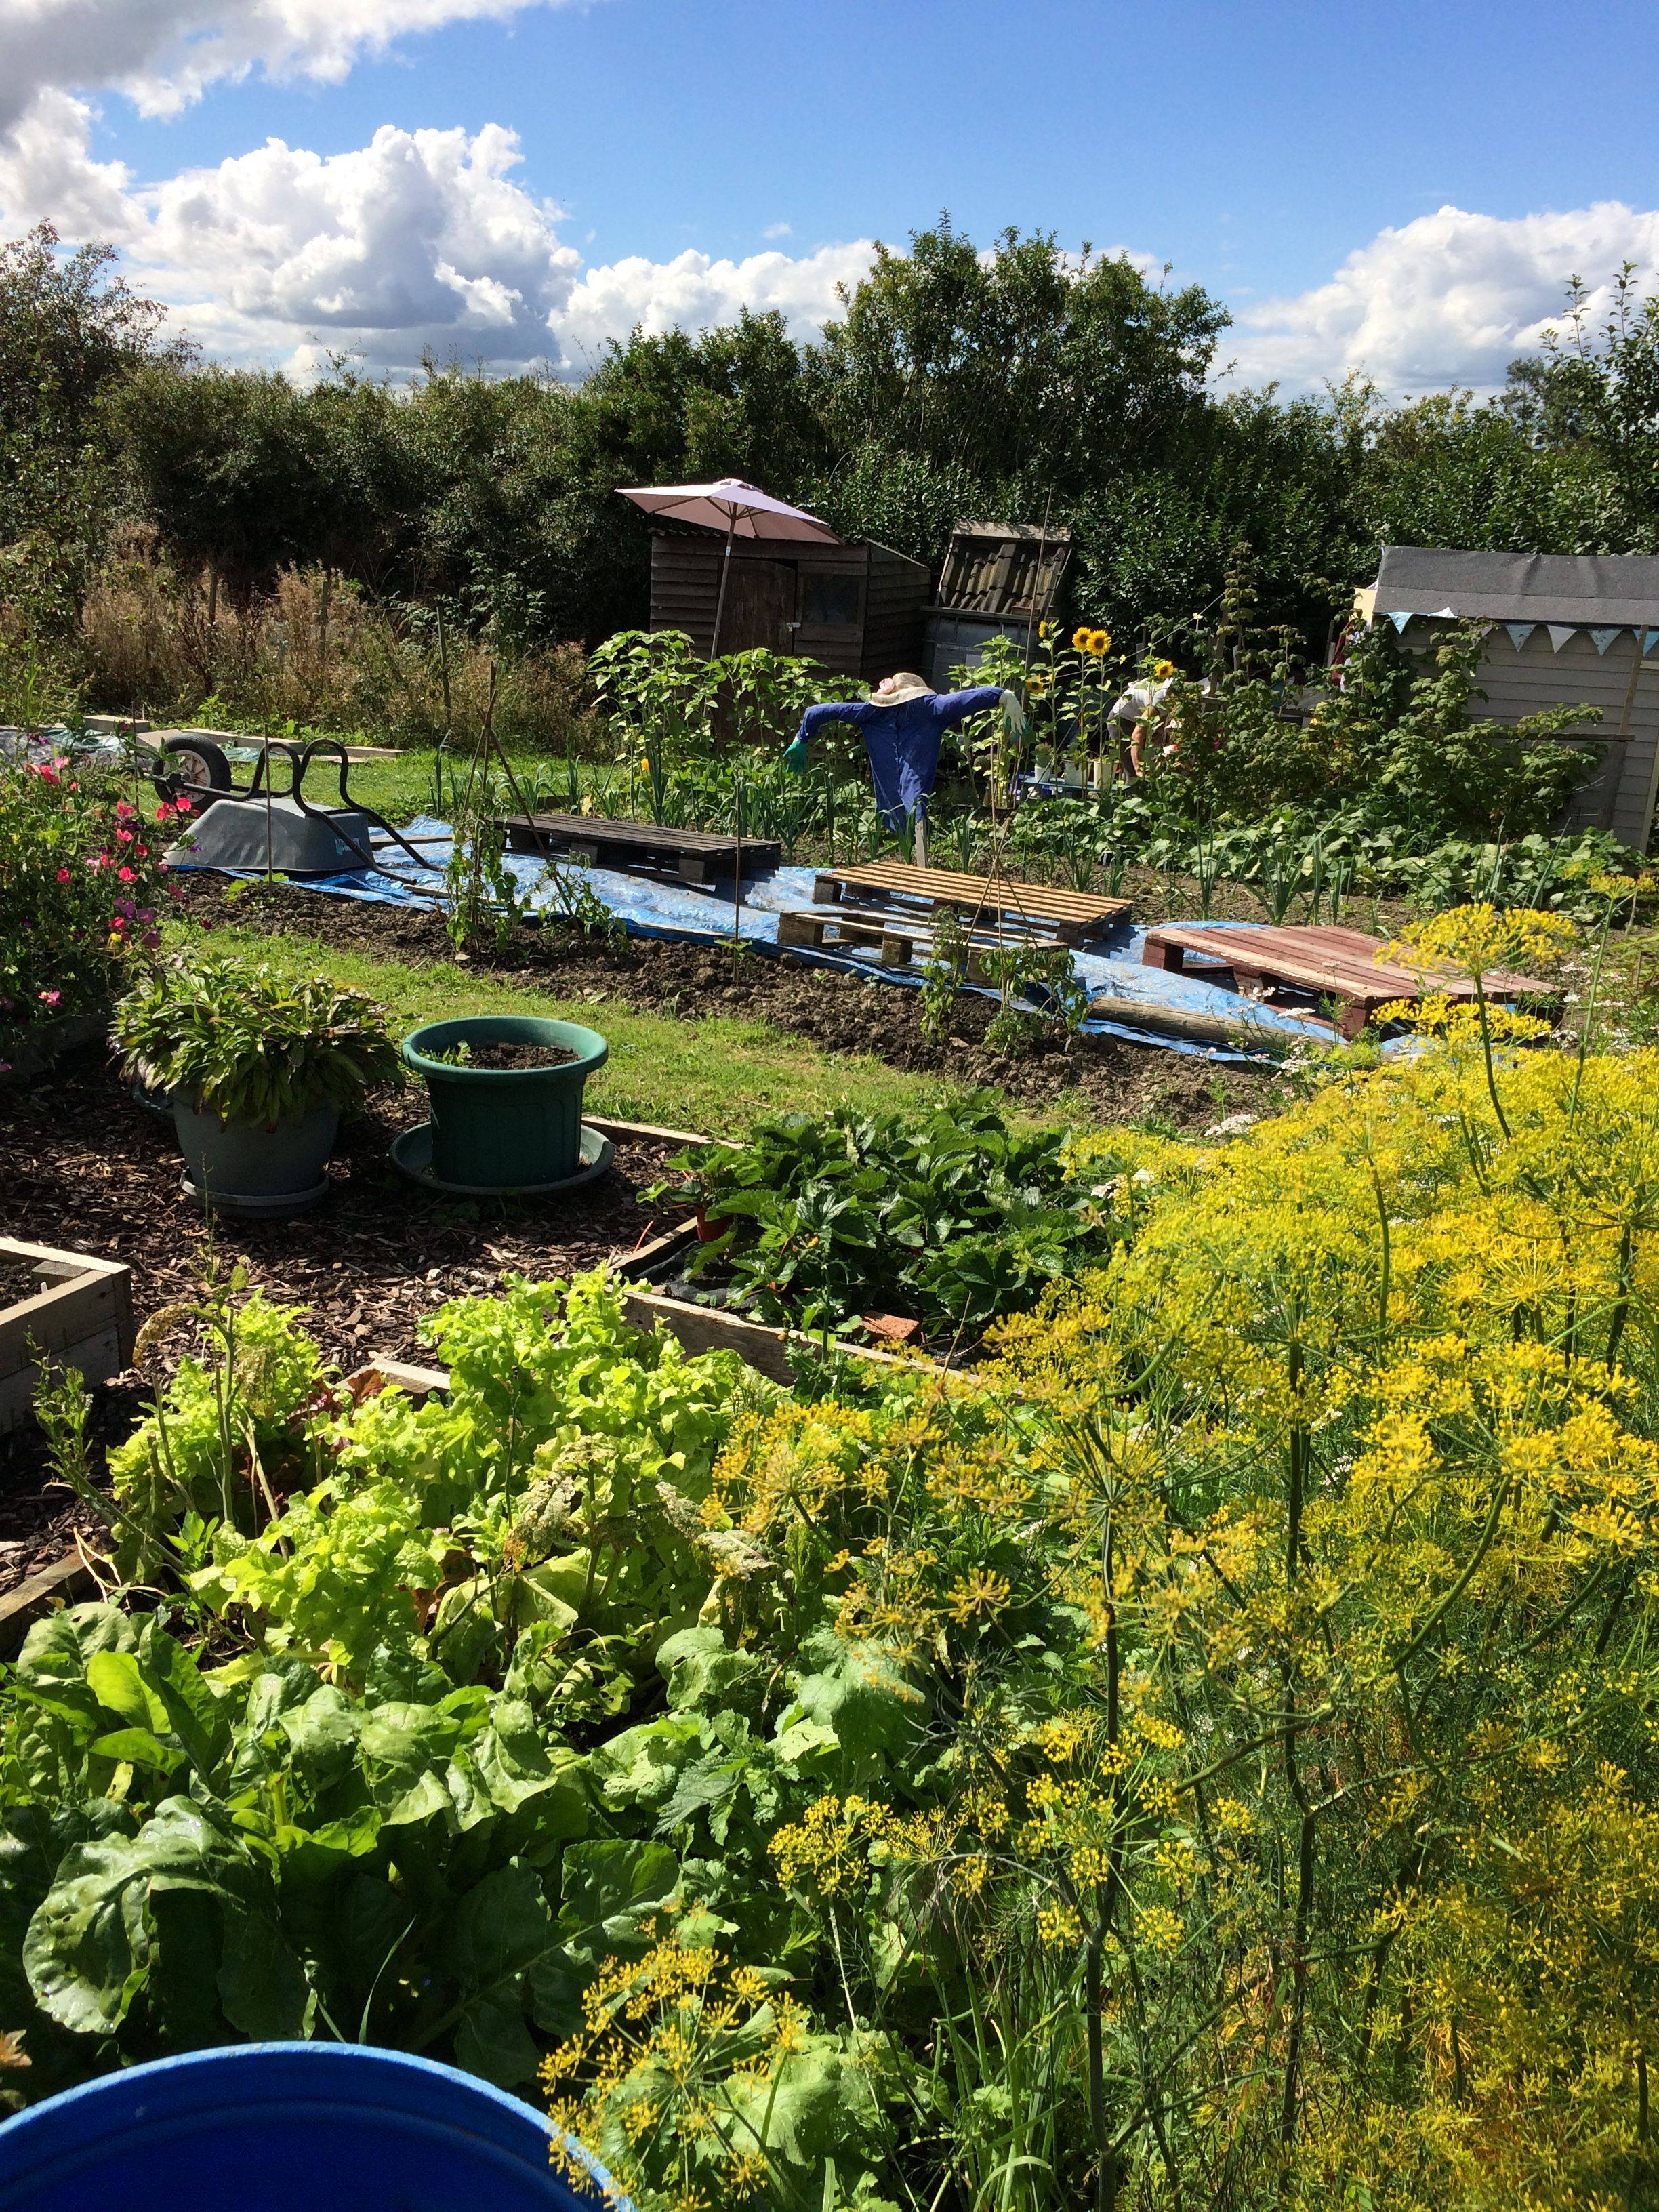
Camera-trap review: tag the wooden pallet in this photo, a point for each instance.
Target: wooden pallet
(1341, 964)
(81, 1316)
(697, 856)
(899, 936)
(1068, 917)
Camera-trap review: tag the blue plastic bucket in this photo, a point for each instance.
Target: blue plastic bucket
(288, 2127)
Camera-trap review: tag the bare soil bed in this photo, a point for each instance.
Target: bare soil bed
(1115, 1080)
(83, 1167)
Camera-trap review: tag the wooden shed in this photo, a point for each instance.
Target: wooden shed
(855, 608)
(1567, 629)
(1000, 580)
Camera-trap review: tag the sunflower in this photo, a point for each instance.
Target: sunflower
(1080, 637)
(1045, 629)
(1100, 643)
(1037, 685)
(1163, 669)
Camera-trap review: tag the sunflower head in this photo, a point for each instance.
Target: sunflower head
(1163, 669)
(1045, 629)
(1100, 643)
(1037, 685)
(1080, 637)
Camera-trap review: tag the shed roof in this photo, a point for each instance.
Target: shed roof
(1604, 589)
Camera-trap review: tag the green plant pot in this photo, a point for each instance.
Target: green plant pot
(505, 1128)
(244, 1167)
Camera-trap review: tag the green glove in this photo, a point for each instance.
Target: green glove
(1014, 716)
(794, 757)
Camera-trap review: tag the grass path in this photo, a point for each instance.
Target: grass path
(712, 1073)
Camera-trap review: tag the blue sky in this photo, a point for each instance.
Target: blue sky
(1296, 159)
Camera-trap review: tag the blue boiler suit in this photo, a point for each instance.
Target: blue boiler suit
(902, 742)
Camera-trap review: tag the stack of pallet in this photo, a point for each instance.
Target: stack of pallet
(891, 906)
(1342, 967)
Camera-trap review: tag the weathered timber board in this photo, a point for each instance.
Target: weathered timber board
(1073, 916)
(1338, 963)
(80, 1317)
(696, 855)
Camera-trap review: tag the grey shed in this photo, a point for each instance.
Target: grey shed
(1580, 594)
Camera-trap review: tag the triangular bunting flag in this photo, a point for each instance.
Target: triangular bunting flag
(1650, 638)
(1519, 633)
(1604, 637)
(1560, 632)
(1399, 621)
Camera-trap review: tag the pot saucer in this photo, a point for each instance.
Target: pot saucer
(257, 1209)
(411, 1154)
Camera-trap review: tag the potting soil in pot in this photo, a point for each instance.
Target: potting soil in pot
(520, 1056)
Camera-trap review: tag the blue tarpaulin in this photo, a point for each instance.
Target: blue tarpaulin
(649, 907)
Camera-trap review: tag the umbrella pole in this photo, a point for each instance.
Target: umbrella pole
(725, 570)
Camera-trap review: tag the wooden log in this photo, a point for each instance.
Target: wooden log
(1200, 1024)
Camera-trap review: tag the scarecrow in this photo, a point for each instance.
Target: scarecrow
(903, 721)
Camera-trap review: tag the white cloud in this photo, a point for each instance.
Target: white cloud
(1450, 298)
(420, 241)
(693, 292)
(778, 230)
(47, 171)
(163, 53)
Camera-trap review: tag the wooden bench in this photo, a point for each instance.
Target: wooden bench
(1001, 901)
(1341, 964)
(697, 856)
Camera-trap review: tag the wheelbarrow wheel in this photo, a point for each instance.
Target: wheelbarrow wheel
(195, 766)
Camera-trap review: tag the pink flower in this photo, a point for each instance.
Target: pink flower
(124, 812)
(184, 803)
(49, 998)
(63, 875)
(126, 876)
(123, 837)
(164, 812)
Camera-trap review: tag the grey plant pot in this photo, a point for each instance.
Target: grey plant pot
(239, 1167)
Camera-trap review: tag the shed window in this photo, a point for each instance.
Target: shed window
(830, 603)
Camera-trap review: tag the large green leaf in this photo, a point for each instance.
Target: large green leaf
(92, 1944)
(493, 1936)
(612, 1890)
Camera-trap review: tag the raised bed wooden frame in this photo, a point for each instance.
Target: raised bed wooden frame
(82, 1316)
(699, 1328)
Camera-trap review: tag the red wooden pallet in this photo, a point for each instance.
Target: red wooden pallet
(1341, 964)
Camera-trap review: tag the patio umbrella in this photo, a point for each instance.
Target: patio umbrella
(741, 510)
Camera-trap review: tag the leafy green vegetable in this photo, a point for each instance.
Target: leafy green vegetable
(953, 1221)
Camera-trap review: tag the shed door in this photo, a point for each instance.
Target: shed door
(760, 607)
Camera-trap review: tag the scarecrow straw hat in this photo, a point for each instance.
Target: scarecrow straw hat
(898, 689)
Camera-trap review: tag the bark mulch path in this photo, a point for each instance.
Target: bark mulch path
(84, 1168)
(1115, 1080)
